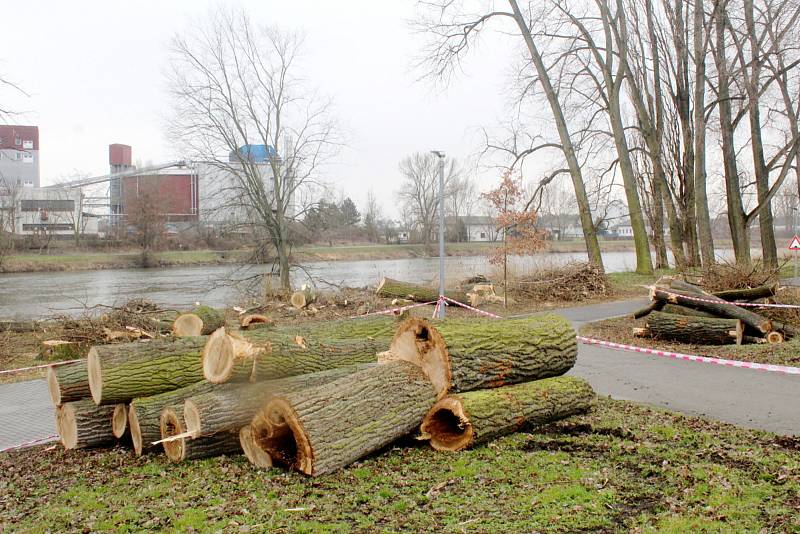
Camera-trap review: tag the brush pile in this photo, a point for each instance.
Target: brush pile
(567, 283)
(681, 311)
(318, 396)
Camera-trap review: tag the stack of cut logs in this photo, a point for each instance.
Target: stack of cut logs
(316, 397)
(680, 311)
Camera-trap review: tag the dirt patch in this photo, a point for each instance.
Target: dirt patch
(791, 443)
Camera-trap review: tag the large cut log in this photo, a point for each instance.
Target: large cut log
(325, 428)
(119, 373)
(748, 294)
(486, 353)
(276, 354)
(183, 447)
(82, 424)
(395, 289)
(712, 304)
(201, 321)
(460, 421)
(231, 408)
(254, 454)
(144, 413)
(303, 297)
(68, 382)
(688, 329)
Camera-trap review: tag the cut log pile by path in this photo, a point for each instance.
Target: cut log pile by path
(680, 311)
(316, 397)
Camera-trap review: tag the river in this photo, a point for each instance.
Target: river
(31, 295)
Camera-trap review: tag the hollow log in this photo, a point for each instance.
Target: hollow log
(119, 373)
(653, 305)
(68, 382)
(201, 321)
(683, 310)
(144, 413)
(395, 289)
(460, 421)
(254, 454)
(714, 305)
(231, 408)
(698, 330)
(325, 428)
(303, 297)
(82, 424)
(185, 448)
(468, 354)
(747, 294)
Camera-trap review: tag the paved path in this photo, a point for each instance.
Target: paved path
(754, 399)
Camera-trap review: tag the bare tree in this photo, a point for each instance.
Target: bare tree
(242, 108)
(454, 33)
(419, 192)
(371, 218)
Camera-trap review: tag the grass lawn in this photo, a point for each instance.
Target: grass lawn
(620, 467)
(619, 330)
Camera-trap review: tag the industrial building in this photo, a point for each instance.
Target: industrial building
(19, 156)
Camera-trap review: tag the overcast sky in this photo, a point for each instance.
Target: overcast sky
(95, 74)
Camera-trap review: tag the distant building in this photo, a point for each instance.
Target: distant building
(44, 211)
(19, 155)
(478, 228)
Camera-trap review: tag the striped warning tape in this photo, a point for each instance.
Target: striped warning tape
(32, 443)
(33, 368)
(692, 358)
(393, 311)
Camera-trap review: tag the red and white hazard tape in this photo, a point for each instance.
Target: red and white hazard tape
(693, 358)
(33, 368)
(394, 311)
(743, 304)
(27, 444)
(470, 308)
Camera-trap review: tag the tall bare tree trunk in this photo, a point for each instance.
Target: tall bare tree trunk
(700, 195)
(769, 249)
(737, 219)
(582, 199)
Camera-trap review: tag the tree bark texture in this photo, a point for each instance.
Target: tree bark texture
(747, 294)
(460, 421)
(392, 289)
(718, 307)
(322, 429)
(697, 330)
(677, 309)
(143, 414)
(68, 382)
(468, 354)
(202, 321)
(119, 373)
(82, 424)
(231, 408)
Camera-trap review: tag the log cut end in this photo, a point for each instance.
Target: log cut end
(218, 354)
(67, 426)
(447, 426)
(255, 455)
(52, 386)
(418, 342)
(280, 435)
(187, 324)
(136, 430)
(119, 420)
(171, 426)
(774, 337)
(95, 371)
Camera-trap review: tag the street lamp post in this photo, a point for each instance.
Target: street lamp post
(440, 155)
